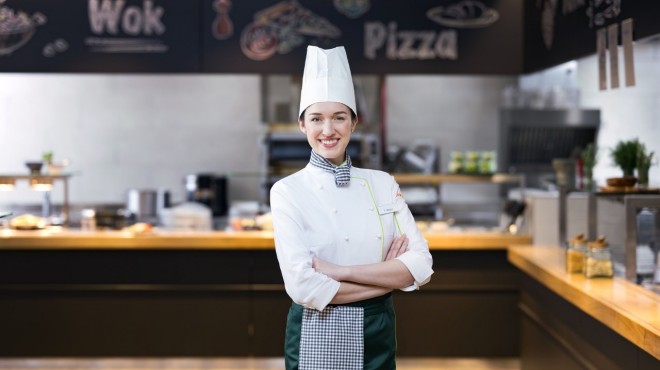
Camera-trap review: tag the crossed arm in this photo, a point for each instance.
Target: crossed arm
(361, 282)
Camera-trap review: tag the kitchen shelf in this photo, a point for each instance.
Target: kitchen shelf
(63, 177)
(436, 180)
(444, 178)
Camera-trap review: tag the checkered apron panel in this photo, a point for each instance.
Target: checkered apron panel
(332, 339)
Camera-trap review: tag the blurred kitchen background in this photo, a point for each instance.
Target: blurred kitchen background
(151, 131)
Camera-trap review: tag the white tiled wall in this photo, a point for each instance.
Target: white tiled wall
(130, 131)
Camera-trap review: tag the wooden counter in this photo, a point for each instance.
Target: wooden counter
(627, 309)
(71, 239)
(222, 294)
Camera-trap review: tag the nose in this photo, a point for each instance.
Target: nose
(327, 128)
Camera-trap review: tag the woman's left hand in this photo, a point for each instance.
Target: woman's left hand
(399, 246)
(335, 272)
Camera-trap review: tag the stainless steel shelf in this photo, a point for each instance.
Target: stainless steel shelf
(64, 177)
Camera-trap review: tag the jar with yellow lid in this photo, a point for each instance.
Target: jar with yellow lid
(599, 259)
(575, 254)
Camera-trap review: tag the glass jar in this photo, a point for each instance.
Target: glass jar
(575, 254)
(599, 259)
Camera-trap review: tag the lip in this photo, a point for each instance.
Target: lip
(329, 143)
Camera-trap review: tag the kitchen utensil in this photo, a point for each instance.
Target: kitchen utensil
(142, 203)
(34, 167)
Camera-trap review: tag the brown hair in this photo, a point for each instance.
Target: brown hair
(353, 116)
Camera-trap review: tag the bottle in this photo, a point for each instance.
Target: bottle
(575, 254)
(599, 259)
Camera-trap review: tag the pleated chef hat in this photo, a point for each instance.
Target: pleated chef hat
(327, 78)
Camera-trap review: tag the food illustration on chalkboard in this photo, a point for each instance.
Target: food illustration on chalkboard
(223, 27)
(16, 28)
(52, 48)
(464, 14)
(281, 28)
(599, 11)
(352, 8)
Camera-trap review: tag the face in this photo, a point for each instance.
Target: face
(328, 126)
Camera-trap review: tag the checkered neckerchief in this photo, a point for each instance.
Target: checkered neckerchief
(342, 173)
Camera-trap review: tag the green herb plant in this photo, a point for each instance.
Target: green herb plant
(624, 155)
(644, 161)
(589, 158)
(47, 157)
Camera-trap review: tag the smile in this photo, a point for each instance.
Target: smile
(329, 142)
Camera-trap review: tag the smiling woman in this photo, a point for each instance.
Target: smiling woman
(328, 126)
(344, 236)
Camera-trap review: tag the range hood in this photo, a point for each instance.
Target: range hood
(530, 139)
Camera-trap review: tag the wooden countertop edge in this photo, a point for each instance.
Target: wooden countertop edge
(226, 240)
(623, 319)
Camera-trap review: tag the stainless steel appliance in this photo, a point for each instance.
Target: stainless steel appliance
(531, 138)
(209, 189)
(144, 205)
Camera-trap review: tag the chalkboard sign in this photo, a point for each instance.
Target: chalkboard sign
(270, 36)
(384, 36)
(259, 36)
(559, 31)
(99, 36)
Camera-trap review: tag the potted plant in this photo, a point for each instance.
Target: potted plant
(644, 160)
(589, 159)
(624, 155)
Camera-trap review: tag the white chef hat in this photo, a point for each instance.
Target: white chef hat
(327, 78)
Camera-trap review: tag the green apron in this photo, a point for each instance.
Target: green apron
(379, 324)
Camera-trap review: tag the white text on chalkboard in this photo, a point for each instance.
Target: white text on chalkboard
(106, 16)
(408, 44)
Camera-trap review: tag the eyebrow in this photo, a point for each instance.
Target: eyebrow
(320, 114)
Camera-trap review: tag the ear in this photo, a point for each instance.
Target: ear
(301, 125)
(354, 124)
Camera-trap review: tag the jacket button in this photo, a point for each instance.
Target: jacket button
(378, 236)
(371, 208)
(334, 210)
(346, 238)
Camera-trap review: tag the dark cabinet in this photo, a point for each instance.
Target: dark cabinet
(228, 303)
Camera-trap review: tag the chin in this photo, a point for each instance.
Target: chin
(329, 154)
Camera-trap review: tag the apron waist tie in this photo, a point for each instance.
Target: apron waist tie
(372, 306)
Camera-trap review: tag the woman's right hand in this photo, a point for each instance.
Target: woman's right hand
(399, 246)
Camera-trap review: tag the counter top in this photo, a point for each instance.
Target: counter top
(630, 310)
(72, 239)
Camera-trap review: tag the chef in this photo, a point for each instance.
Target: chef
(344, 236)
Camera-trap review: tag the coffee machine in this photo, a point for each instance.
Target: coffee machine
(209, 189)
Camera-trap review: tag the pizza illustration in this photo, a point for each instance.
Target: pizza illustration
(281, 28)
(464, 14)
(17, 28)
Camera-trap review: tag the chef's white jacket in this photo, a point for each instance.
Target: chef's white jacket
(349, 225)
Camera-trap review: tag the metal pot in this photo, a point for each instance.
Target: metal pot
(142, 204)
